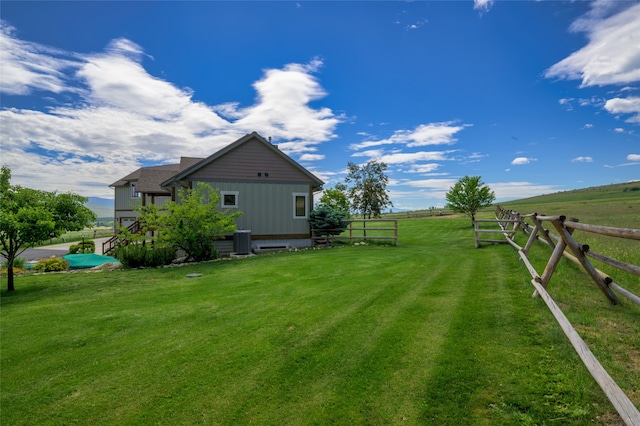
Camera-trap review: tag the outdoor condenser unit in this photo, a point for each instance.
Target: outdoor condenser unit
(242, 242)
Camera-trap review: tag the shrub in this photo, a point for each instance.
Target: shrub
(83, 247)
(326, 221)
(140, 255)
(18, 263)
(52, 264)
(19, 266)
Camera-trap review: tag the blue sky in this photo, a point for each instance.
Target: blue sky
(534, 97)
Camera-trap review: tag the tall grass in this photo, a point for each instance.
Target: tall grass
(433, 331)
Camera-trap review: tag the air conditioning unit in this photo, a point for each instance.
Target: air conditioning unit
(242, 242)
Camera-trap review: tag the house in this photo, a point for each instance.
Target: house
(274, 193)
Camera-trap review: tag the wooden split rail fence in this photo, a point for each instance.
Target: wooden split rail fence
(564, 244)
(364, 232)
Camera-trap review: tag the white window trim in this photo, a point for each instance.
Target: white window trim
(306, 205)
(234, 193)
(134, 192)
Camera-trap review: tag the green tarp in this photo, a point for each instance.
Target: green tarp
(82, 261)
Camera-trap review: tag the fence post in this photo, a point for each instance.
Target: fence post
(575, 248)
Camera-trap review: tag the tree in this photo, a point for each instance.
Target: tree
(469, 195)
(28, 216)
(193, 223)
(335, 198)
(368, 190)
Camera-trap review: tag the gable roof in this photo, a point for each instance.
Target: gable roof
(220, 153)
(145, 173)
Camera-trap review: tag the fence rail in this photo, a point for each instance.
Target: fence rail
(565, 245)
(319, 236)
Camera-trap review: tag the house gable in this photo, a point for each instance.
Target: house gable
(249, 159)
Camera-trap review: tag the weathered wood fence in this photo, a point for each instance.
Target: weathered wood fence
(563, 244)
(385, 229)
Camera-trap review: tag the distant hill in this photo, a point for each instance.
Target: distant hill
(102, 207)
(595, 193)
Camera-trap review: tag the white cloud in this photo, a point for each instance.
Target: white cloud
(423, 168)
(31, 66)
(618, 130)
(442, 133)
(519, 161)
(311, 157)
(633, 157)
(630, 105)
(438, 184)
(482, 5)
(582, 160)
(613, 52)
(126, 117)
(405, 157)
(514, 190)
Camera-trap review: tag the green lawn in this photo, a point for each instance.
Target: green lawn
(432, 331)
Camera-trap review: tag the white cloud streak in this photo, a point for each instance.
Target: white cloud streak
(424, 135)
(582, 160)
(612, 55)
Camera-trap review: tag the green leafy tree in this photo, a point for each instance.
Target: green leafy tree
(469, 195)
(335, 198)
(326, 221)
(368, 191)
(28, 216)
(193, 223)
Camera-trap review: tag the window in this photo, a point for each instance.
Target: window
(300, 205)
(134, 193)
(229, 199)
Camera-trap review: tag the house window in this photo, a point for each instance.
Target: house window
(229, 199)
(300, 205)
(134, 192)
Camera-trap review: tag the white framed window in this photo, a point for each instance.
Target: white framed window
(300, 203)
(229, 199)
(134, 192)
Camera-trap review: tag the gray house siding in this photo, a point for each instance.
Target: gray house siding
(268, 208)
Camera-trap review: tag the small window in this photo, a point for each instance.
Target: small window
(300, 205)
(134, 192)
(229, 199)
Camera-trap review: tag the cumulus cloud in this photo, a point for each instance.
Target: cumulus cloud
(582, 160)
(126, 117)
(633, 157)
(519, 161)
(630, 105)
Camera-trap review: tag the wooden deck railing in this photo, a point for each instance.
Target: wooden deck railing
(109, 245)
